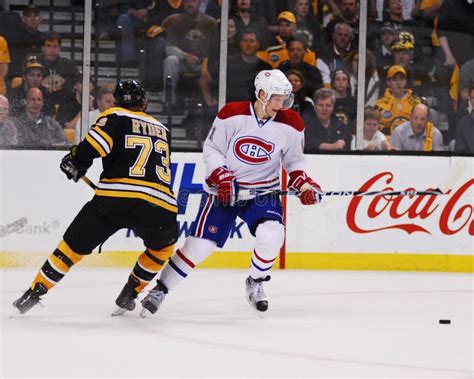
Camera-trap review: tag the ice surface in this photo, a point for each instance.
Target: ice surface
(320, 324)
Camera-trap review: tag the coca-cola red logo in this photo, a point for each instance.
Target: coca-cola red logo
(455, 214)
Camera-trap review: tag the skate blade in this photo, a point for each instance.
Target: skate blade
(260, 314)
(144, 313)
(118, 312)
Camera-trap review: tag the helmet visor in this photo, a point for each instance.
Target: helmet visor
(288, 103)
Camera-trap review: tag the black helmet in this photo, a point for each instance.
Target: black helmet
(129, 94)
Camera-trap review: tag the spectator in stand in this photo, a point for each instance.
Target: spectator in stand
(158, 21)
(350, 16)
(8, 133)
(108, 12)
(429, 10)
(9, 21)
(132, 23)
(328, 133)
(456, 38)
(59, 73)
(4, 63)
(32, 77)
(466, 77)
(417, 67)
(388, 34)
(339, 48)
(35, 130)
(244, 17)
(233, 42)
(397, 103)
(70, 113)
(241, 71)
(302, 104)
(374, 139)
(105, 100)
(372, 81)
(345, 107)
(417, 134)
(26, 40)
(465, 130)
(161, 11)
(456, 31)
(308, 25)
(378, 8)
(187, 43)
(278, 52)
(393, 12)
(296, 51)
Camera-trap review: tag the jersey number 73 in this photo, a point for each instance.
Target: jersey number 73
(147, 147)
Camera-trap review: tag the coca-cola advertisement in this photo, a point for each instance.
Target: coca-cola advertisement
(437, 224)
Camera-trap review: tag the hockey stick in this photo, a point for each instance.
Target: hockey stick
(259, 192)
(89, 182)
(453, 176)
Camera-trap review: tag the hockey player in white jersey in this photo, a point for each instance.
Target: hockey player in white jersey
(245, 148)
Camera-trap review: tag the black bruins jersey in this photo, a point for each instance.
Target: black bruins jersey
(136, 157)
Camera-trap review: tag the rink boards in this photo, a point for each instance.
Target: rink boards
(377, 233)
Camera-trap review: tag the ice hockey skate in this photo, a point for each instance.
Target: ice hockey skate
(30, 298)
(153, 300)
(126, 299)
(255, 294)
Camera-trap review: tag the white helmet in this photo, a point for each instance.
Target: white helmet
(274, 82)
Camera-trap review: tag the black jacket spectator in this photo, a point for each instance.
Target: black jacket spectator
(456, 23)
(26, 40)
(254, 22)
(317, 134)
(465, 135)
(312, 76)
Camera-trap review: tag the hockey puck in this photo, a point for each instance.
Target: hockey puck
(445, 321)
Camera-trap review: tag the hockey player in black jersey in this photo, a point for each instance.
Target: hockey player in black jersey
(134, 192)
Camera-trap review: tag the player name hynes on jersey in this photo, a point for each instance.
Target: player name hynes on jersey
(148, 129)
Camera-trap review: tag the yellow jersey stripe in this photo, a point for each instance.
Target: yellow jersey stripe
(105, 136)
(96, 146)
(139, 182)
(58, 264)
(40, 278)
(66, 250)
(137, 195)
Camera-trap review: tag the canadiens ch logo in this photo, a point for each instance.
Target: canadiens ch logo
(253, 150)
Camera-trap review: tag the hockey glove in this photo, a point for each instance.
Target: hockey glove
(310, 191)
(226, 184)
(69, 165)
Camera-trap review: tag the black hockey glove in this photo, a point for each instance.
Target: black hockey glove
(69, 165)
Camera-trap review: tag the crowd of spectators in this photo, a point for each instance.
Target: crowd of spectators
(40, 91)
(416, 54)
(419, 65)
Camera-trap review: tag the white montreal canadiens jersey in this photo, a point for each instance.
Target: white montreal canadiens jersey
(254, 151)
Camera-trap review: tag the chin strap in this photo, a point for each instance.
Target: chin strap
(264, 104)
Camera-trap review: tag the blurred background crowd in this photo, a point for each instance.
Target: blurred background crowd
(419, 67)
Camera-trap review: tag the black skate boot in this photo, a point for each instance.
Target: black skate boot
(255, 295)
(153, 300)
(126, 299)
(30, 298)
